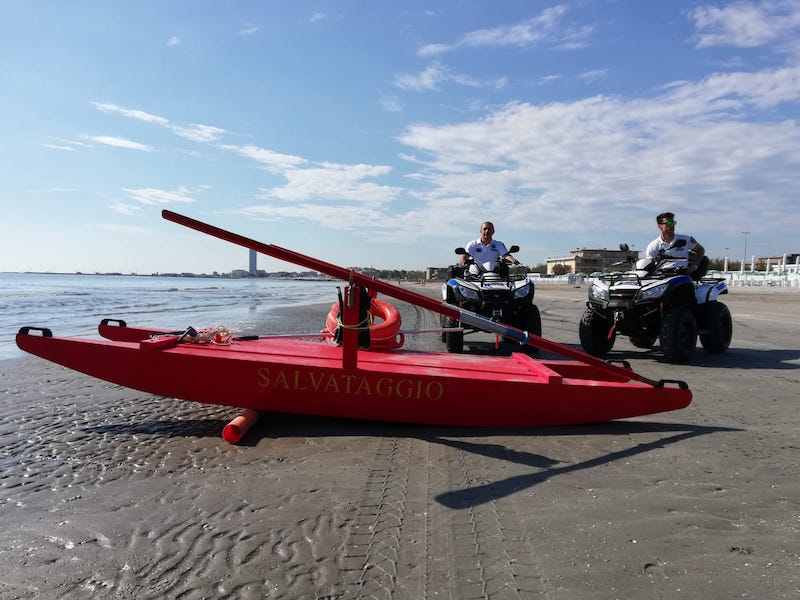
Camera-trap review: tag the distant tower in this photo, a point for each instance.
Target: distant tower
(253, 263)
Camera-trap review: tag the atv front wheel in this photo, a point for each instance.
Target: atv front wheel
(530, 320)
(678, 335)
(644, 340)
(715, 319)
(454, 340)
(594, 333)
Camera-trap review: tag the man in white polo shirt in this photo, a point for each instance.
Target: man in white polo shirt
(693, 253)
(486, 249)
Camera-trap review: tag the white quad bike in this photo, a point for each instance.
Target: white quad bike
(657, 301)
(488, 290)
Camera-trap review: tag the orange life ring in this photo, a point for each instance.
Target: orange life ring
(384, 334)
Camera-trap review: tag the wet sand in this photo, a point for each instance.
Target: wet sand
(111, 493)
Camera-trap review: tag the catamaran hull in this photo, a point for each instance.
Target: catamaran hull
(304, 377)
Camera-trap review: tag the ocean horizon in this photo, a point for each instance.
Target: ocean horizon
(71, 304)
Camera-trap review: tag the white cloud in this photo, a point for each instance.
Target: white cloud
(139, 115)
(435, 74)
(174, 41)
(199, 133)
(194, 132)
(434, 50)
(53, 146)
(519, 34)
(547, 79)
(589, 77)
(124, 208)
(732, 92)
(546, 28)
(693, 143)
(390, 103)
(273, 161)
(317, 16)
(340, 218)
(153, 196)
(249, 29)
(746, 24)
(119, 143)
(334, 182)
(425, 80)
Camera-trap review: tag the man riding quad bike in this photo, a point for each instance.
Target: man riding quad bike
(489, 290)
(657, 301)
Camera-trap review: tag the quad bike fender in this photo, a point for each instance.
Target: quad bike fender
(682, 292)
(709, 292)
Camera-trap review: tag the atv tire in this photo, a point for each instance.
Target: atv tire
(644, 340)
(678, 335)
(717, 325)
(530, 320)
(593, 332)
(454, 340)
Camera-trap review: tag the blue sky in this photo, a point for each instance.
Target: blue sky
(383, 133)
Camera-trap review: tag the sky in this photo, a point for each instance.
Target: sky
(382, 134)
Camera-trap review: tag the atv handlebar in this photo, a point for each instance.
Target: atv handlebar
(469, 259)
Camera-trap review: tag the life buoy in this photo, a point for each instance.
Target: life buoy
(384, 334)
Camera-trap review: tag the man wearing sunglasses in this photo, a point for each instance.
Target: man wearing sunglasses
(693, 253)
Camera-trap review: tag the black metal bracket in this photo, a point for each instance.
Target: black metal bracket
(681, 384)
(119, 322)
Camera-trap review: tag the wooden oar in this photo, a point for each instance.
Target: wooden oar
(409, 296)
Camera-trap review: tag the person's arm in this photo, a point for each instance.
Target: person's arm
(647, 254)
(505, 255)
(696, 254)
(463, 259)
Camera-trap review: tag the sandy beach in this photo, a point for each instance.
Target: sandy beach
(111, 493)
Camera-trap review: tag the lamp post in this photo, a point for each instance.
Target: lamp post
(745, 233)
(725, 269)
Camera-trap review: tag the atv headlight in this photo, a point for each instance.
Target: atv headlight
(522, 291)
(598, 292)
(468, 293)
(655, 292)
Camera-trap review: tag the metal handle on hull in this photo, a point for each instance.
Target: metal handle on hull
(45, 331)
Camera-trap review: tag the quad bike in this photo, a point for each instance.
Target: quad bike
(657, 301)
(488, 290)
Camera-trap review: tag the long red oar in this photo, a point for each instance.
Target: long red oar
(454, 312)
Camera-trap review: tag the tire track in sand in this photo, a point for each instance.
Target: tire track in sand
(386, 542)
(492, 555)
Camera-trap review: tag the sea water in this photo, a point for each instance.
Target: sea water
(74, 305)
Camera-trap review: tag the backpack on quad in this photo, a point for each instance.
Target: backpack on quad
(490, 291)
(657, 301)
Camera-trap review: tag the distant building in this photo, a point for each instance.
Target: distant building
(253, 263)
(788, 262)
(593, 260)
